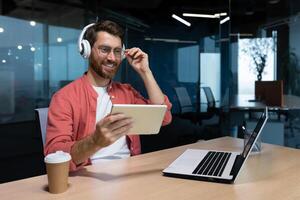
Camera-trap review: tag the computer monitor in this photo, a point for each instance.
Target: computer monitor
(270, 92)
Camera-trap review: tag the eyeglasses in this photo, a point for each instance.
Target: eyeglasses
(105, 50)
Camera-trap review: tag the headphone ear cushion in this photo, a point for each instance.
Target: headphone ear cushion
(86, 49)
(123, 52)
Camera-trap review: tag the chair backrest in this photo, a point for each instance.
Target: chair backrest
(42, 115)
(184, 99)
(211, 103)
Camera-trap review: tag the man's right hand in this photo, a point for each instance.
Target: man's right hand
(111, 128)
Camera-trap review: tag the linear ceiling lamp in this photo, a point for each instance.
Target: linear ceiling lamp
(198, 15)
(181, 20)
(224, 20)
(170, 40)
(220, 14)
(217, 15)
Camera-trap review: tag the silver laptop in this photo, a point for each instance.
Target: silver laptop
(216, 166)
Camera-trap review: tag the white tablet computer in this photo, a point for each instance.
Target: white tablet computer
(147, 119)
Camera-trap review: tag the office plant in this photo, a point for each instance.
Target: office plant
(258, 49)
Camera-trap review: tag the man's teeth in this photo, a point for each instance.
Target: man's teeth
(109, 65)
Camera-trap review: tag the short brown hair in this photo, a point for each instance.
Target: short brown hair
(106, 26)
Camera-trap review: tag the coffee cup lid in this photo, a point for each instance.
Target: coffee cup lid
(57, 157)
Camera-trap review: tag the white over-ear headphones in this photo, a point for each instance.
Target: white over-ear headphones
(84, 46)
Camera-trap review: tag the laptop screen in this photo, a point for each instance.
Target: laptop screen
(255, 133)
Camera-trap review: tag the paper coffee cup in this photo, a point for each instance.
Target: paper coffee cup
(57, 166)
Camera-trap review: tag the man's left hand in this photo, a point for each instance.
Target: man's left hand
(138, 60)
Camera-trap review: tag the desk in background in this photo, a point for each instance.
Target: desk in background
(241, 111)
(244, 102)
(273, 174)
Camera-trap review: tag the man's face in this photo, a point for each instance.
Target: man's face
(106, 55)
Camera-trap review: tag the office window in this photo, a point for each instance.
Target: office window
(20, 42)
(210, 73)
(35, 61)
(188, 64)
(249, 52)
(65, 63)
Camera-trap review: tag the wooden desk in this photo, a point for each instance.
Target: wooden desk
(273, 174)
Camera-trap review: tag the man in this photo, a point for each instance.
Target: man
(79, 121)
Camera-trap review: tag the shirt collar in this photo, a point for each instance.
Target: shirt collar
(86, 80)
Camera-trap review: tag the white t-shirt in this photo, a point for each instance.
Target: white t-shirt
(119, 148)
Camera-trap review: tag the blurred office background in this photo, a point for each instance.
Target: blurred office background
(217, 50)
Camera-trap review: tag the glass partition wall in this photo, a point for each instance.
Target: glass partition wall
(265, 33)
(265, 46)
(36, 60)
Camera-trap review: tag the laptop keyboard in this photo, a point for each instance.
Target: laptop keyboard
(213, 164)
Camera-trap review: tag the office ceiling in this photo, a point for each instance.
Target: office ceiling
(245, 14)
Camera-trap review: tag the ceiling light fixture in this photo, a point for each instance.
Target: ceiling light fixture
(59, 39)
(198, 15)
(214, 16)
(218, 15)
(181, 20)
(169, 40)
(223, 14)
(1, 30)
(224, 20)
(32, 23)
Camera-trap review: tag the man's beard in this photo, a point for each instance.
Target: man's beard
(97, 68)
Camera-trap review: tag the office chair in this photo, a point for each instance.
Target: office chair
(41, 116)
(187, 109)
(212, 115)
(211, 103)
(186, 106)
(187, 112)
(184, 100)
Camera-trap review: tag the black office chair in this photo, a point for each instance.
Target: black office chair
(187, 110)
(184, 100)
(210, 120)
(211, 103)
